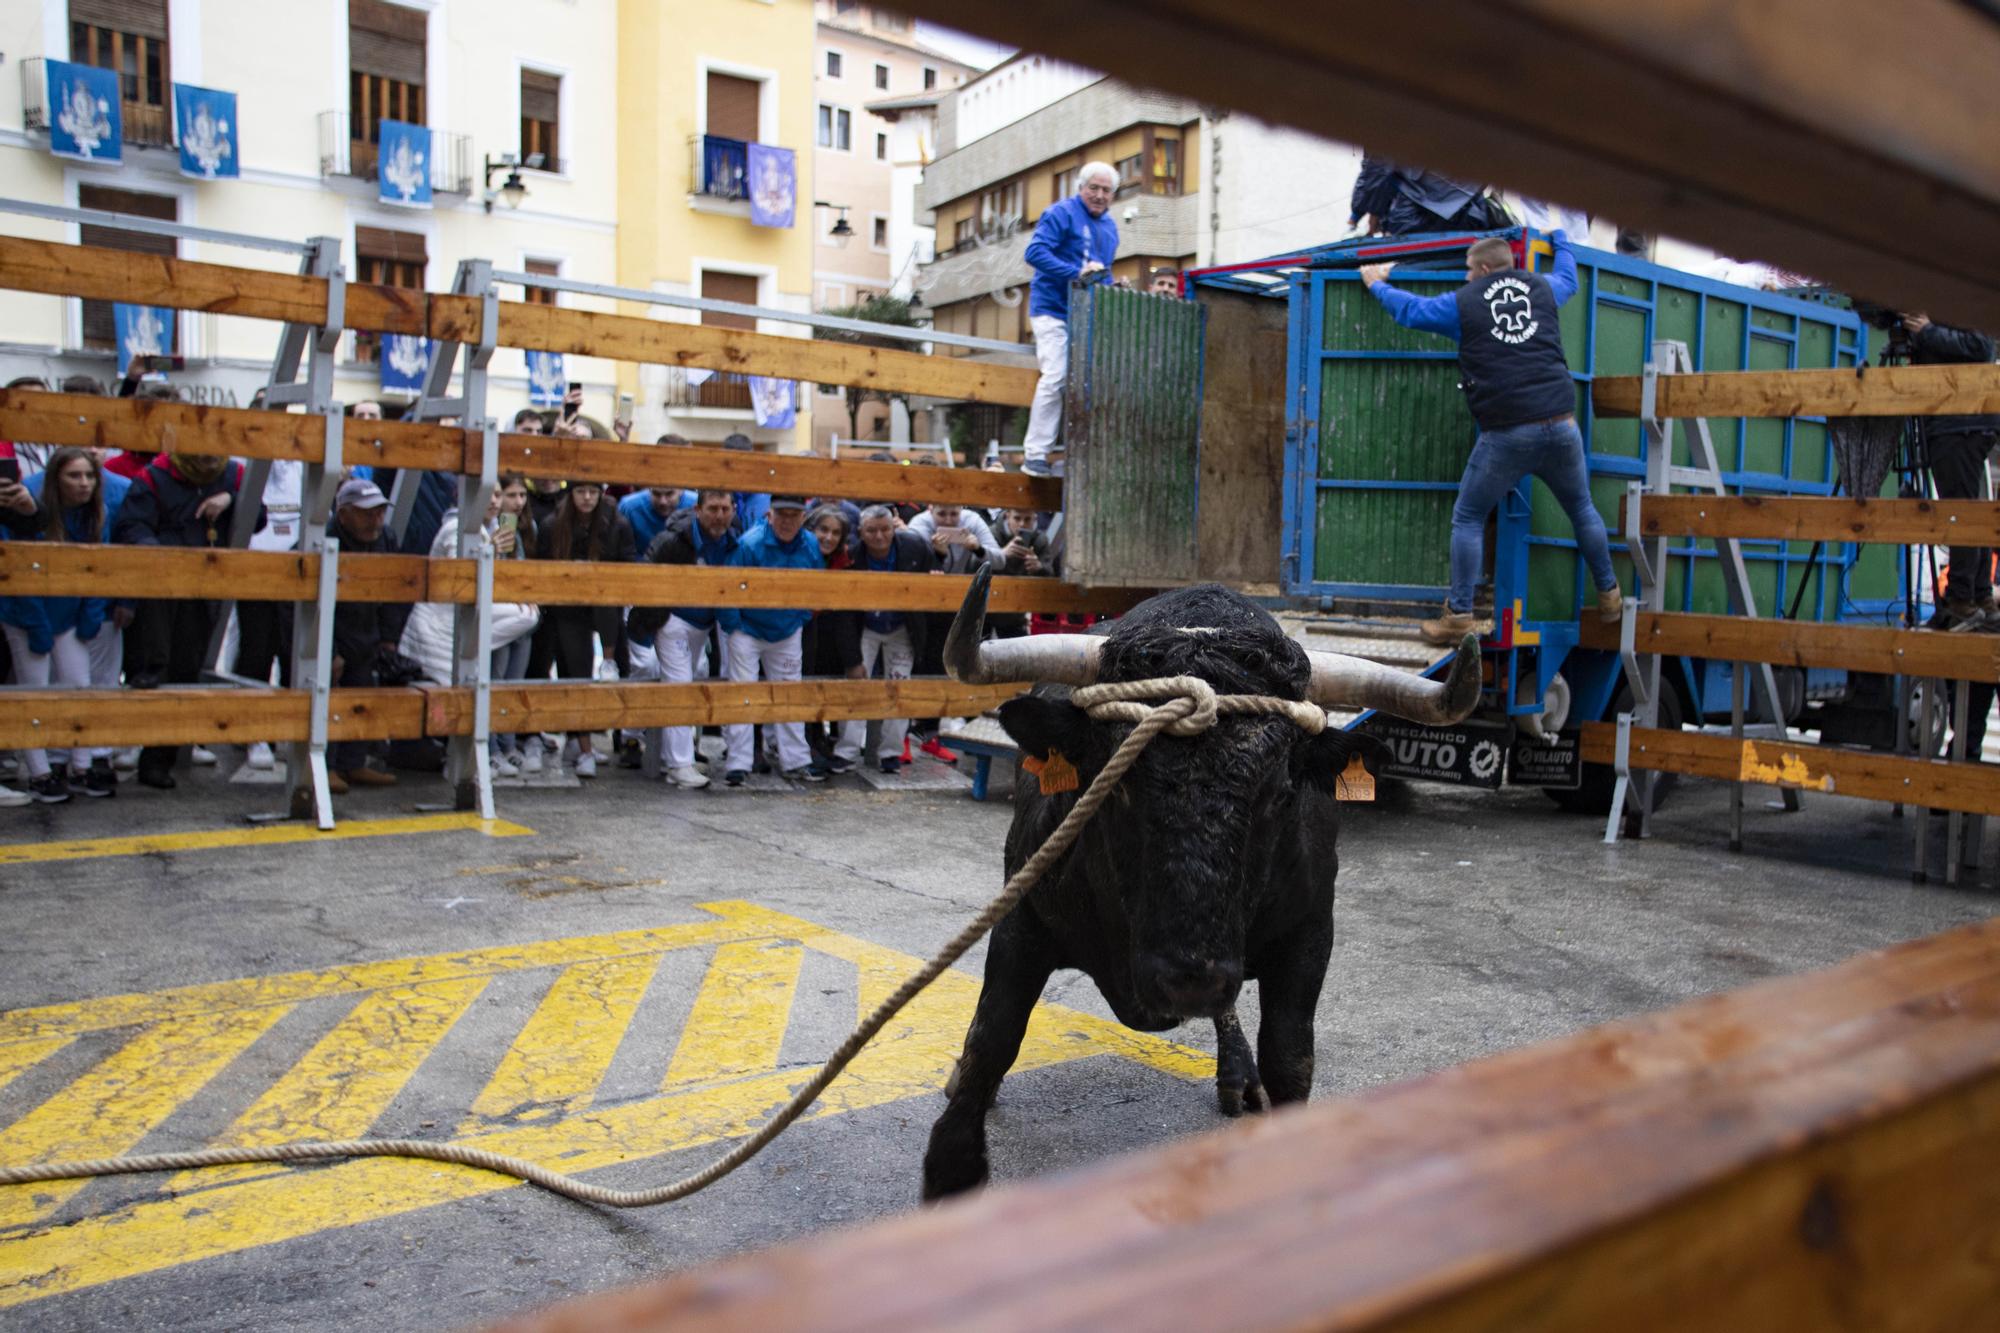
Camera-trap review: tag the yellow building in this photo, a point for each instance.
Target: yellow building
(697, 80)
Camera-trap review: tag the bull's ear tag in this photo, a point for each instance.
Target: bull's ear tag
(1355, 782)
(1057, 773)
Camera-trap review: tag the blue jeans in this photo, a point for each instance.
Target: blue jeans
(1551, 450)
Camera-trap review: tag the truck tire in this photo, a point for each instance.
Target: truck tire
(1592, 795)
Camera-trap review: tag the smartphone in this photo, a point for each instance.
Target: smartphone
(10, 469)
(624, 407)
(509, 522)
(573, 400)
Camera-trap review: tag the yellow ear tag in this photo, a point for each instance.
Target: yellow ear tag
(1057, 773)
(1355, 783)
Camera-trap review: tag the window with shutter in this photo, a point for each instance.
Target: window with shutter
(541, 100)
(733, 106)
(738, 287)
(882, 77)
(386, 258)
(548, 268)
(385, 76)
(98, 329)
(130, 37)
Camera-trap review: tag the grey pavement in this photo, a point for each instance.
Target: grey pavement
(1468, 923)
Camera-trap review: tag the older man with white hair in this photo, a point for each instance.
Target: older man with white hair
(1075, 240)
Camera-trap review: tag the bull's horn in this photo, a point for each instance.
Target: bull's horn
(1340, 681)
(1062, 659)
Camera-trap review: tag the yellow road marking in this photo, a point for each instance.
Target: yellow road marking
(121, 1100)
(913, 1057)
(738, 1022)
(83, 849)
(21, 1056)
(350, 1076)
(554, 1066)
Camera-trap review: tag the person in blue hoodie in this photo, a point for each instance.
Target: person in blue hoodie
(678, 635)
(107, 647)
(1075, 241)
(757, 637)
(49, 636)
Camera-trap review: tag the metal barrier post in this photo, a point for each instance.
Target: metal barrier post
(467, 758)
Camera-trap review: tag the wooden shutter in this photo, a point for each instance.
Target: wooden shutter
(385, 39)
(540, 94)
(547, 268)
(141, 18)
(398, 247)
(98, 328)
(739, 287)
(732, 106)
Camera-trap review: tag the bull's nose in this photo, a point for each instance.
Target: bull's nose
(1189, 987)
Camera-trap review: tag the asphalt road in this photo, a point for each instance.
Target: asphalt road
(558, 988)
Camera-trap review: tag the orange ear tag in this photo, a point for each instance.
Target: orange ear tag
(1355, 783)
(1057, 773)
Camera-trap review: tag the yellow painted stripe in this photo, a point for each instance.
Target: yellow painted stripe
(270, 835)
(566, 1047)
(342, 1086)
(117, 1011)
(122, 1100)
(17, 1058)
(738, 1021)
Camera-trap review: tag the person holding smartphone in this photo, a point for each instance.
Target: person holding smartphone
(585, 528)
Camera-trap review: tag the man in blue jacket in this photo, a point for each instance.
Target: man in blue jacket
(1518, 385)
(1075, 240)
(755, 636)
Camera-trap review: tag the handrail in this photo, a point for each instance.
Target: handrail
(1862, 391)
(152, 226)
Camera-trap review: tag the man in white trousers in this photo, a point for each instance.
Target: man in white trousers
(1075, 240)
(769, 639)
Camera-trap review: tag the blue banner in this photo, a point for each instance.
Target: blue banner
(774, 185)
(545, 379)
(85, 121)
(771, 402)
(206, 124)
(405, 357)
(723, 166)
(403, 165)
(141, 330)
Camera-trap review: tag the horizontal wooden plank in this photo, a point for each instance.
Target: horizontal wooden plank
(1933, 783)
(1805, 643)
(729, 469)
(1810, 518)
(1879, 391)
(201, 716)
(44, 569)
(559, 706)
(549, 582)
(1815, 1151)
(149, 425)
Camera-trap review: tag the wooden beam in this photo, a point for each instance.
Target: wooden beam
(733, 470)
(1752, 129)
(201, 716)
(149, 425)
(561, 706)
(1809, 518)
(550, 582)
(48, 569)
(1882, 391)
(1806, 643)
(1932, 783)
(1814, 1152)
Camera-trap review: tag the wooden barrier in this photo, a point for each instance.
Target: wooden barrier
(1874, 391)
(1819, 1151)
(49, 569)
(222, 715)
(1807, 643)
(1810, 518)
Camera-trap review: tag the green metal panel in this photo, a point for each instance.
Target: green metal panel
(1132, 437)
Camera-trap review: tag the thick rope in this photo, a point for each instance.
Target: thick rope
(1192, 708)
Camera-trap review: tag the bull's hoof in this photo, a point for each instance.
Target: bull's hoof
(946, 1175)
(1233, 1102)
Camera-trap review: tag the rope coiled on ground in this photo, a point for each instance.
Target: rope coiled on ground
(1191, 706)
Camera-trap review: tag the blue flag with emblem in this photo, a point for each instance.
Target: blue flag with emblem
(85, 121)
(773, 185)
(545, 379)
(771, 402)
(205, 123)
(140, 330)
(405, 358)
(403, 165)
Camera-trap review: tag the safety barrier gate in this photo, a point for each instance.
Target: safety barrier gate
(467, 324)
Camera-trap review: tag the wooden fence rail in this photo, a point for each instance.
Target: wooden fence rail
(1807, 643)
(1873, 391)
(1810, 518)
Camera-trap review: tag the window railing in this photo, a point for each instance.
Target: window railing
(142, 124)
(722, 389)
(720, 168)
(341, 154)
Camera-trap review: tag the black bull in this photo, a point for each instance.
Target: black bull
(1212, 864)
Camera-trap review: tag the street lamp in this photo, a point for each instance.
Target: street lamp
(512, 190)
(840, 233)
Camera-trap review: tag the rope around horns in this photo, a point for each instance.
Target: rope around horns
(1191, 706)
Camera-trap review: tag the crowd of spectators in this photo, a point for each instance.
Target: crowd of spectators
(178, 497)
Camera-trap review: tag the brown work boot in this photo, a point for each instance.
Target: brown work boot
(1448, 629)
(335, 783)
(369, 777)
(1610, 605)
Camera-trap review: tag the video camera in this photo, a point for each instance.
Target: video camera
(1890, 321)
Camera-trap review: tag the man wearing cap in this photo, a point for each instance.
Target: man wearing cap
(362, 631)
(770, 639)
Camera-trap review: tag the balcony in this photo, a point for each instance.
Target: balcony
(719, 173)
(142, 123)
(341, 154)
(724, 389)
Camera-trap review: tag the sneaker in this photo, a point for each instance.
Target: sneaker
(570, 751)
(506, 766)
(631, 754)
(906, 749)
(1037, 467)
(159, 779)
(259, 756)
(835, 765)
(734, 777)
(689, 777)
(201, 754)
(9, 766)
(1610, 605)
(50, 788)
(586, 764)
(126, 761)
(100, 781)
(892, 765)
(935, 749)
(805, 773)
(10, 797)
(531, 755)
